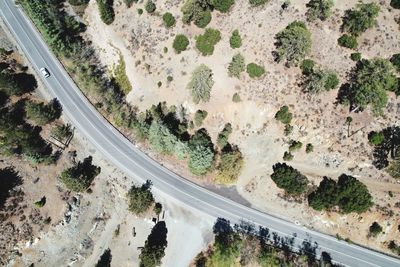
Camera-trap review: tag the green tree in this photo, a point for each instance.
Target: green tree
(395, 4)
(289, 179)
(375, 229)
(355, 56)
(369, 82)
(201, 83)
(295, 145)
(236, 66)
(161, 139)
(61, 132)
(197, 11)
(205, 43)
(353, 195)
(319, 9)
(395, 59)
(79, 177)
(307, 66)
(150, 6)
(376, 138)
(254, 70)
(320, 81)
(199, 116)
(222, 5)
(140, 198)
(223, 136)
(106, 10)
(169, 19)
(201, 153)
(154, 248)
(360, 19)
(236, 40)
(283, 115)
(230, 166)
(42, 113)
(180, 43)
(326, 196)
(293, 43)
(348, 41)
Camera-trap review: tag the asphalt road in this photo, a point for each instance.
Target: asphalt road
(123, 154)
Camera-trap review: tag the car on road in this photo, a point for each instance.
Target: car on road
(45, 72)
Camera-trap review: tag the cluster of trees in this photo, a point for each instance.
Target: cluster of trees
(293, 43)
(79, 177)
(369, 81)
(319, 9)
(348, 194)
(140, 198)
(317, 80)
(205, 42)
(199, 11)
(356, 21)
(42, 113)
(154, 248)
(106, 10)
(243, 245)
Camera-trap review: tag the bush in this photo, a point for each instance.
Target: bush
(223, 136)
(236, 98)
(235, 40)
(320, 81)
(140, 11)
(375, 229)
(357, 21)
(169, 20)
(319, 9)
(293, 43)
(40, 203)
(180, 43)
(197, 11)
(199, 116)
(376, 138)
(140, 198)
(222, 5)
(287, 156)
(283, 115)
(369, 82)
(201, 153)
(236, 66)
(41, 113)
(348, 41)
(307, 66)
(106, 11)
(161, 139)
(295, 145)
(395, 59)
(78, 2)
(121, 79)
(157, 208)
(206, 42)
(230, 166)
(355, 56)
(258, 2)
(289, 179)
(201, 83)
(254, 70)
(150, 6)
(79, 177)
(309, 148)
(129, 2)
(61, 132)
(395, 4)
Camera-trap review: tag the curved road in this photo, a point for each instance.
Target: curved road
(123, 154)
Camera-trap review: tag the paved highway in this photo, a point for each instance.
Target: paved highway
(123, 154)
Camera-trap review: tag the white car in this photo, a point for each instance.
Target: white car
(45, 72)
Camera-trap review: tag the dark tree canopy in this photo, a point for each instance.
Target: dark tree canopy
(360, 19)
(106, 10)
(9, 179)
(154, 247)
(140, 198)
(289, 179)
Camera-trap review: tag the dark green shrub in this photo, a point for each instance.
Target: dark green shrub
(197, 11)
(309, 148)
(140, 11)
(295, 145)
(376, 138)
(180, 43)
(355, 56)
(222, 5)
(150, 6)
(254, 70)
(78, 2)
(40, 203)
(395, 4)
(358, 20)
(283, 115)
(319, 9)
(236, 98)
(223, 136)
(205, 43)
(169, 20)
(235, 40)
(289, 179)
(203, 19)
(375, 229)
(129, 2)
(106, 10)
(154, 247)
(307, 66)
(199, 117)
(42, 113)
(287, 156)
(236, 66)
(348, 41)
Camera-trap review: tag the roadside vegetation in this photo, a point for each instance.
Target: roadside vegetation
(140, 198)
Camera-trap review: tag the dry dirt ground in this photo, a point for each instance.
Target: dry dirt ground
(141, 40)
(83, 225)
